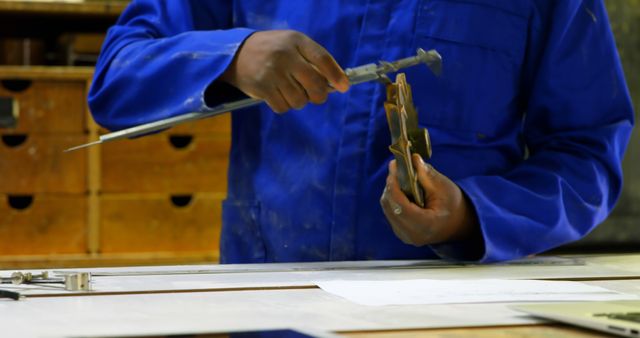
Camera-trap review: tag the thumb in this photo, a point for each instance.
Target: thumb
(429, 178)
(320, 58)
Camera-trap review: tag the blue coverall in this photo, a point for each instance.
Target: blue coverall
(530, 117)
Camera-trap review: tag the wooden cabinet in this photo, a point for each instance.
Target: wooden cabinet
(162, 193)
(151, 200)
(44, 202)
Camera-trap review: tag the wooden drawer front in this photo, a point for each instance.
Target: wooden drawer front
(139, 223)
(46, 106)
(166, 163)
(42, 224)
(215, 126)
(36, 163)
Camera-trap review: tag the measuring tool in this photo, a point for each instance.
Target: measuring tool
(80, 281)
(365, 73)
(407, 137)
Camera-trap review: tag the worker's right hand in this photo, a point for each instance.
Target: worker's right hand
(286, 69)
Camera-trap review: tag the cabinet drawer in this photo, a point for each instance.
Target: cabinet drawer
(45, 106)
(36, 163)
(166, 163)
(42, 224)
(160, 223)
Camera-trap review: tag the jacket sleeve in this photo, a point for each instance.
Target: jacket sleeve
(159, 58)
(577, 124)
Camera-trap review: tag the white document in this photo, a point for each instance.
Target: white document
(430, 291)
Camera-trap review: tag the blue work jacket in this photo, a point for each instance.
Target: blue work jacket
(530, 117)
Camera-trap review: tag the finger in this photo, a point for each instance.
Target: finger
(414, 220)
(315, 85)
(276, 101)
(399, 224)
(325, 63)
(293, 93)
(389, 204)
(392, 217)
(428, 177)
(409, 208)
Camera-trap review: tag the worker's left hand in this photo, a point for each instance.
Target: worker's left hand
(448, 214)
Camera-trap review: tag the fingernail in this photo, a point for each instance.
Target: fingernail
(344, 83)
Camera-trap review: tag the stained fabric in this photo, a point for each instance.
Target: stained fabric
(530, 117)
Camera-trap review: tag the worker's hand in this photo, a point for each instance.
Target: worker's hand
(286, 69)
(448, 214)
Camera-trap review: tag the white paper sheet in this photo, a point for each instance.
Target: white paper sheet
(429, 291)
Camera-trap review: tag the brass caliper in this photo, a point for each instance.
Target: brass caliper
(407, 137)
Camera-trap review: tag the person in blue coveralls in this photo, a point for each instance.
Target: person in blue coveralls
(529, 120)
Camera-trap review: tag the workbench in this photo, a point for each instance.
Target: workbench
(217, 298)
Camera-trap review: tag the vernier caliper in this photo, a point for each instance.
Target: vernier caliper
(365, 73)
(78, 281)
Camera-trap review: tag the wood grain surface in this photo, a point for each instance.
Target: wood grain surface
(167, 163)
(139, 223)
(37, 164)
(46, 106)
(47, 224)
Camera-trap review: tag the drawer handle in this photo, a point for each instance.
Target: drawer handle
(180, 141)
(16, 86)
(181, 201)
(15, 140)
(8, 112)
(20, 202)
